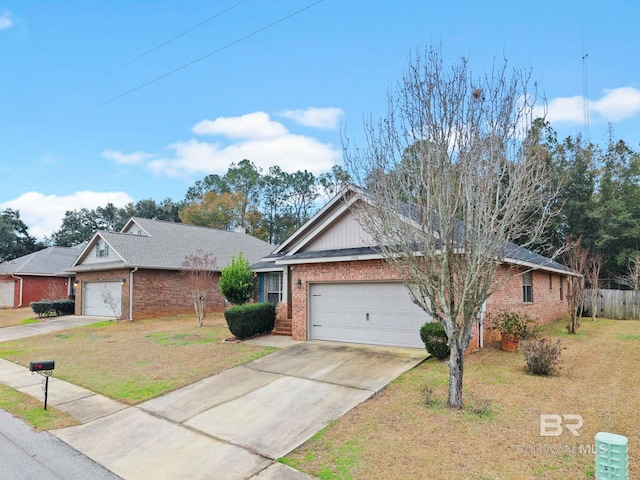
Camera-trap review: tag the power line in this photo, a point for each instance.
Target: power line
(170, 40)
(182, 67)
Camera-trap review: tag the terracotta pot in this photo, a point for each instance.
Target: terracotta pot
(509, 342)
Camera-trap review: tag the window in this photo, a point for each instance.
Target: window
(561, 288)
(527, 287)
(550, 281)
(102, 249)
(274, 287)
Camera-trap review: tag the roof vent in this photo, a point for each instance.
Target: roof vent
(240, 230)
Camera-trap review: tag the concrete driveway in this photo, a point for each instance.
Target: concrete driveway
(235, 424)
(47, 325)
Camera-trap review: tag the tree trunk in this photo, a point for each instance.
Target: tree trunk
(456, 366)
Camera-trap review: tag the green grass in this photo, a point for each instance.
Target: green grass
(106, 323)
(628, 336)
(32, 411)
(29, 320)
(345, 459)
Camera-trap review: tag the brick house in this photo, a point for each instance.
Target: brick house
(135, 273)
(37, 276)
(336, 286)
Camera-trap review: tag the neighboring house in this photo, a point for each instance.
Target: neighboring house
(37, 276)
(336, 286)
(136, 273)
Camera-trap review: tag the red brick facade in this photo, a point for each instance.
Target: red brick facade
(156, 293)
(36, 288)
(545, 308)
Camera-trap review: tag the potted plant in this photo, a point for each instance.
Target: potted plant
(512, 327)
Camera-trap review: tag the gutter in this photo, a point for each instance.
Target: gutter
(131, 293)
(21, 280)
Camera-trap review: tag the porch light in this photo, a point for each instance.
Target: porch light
(298, 283)
(123, 281)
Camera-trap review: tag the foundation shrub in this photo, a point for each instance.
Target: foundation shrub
(435, 339)
(250, 319)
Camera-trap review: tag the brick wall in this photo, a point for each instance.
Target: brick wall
(35, 289)
(156, 293)
(546, 306)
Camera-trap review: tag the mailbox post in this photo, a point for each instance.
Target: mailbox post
(44, 368)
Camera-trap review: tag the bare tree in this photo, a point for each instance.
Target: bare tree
(112, 302)
(452, 176)
(577, 258)
(631, 279)
(55, 290)
(592, 273)
(198, 271)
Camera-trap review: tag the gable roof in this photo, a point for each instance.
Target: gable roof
(164, 245)
(291, 251)
(52, 261)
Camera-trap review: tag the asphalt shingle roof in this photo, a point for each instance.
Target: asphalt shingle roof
(164, 245)
(50, 261)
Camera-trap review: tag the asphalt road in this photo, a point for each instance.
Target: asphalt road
(29, 455)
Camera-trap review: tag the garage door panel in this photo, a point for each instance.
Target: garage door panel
(6, 294)
(102, 299)
(393, 318)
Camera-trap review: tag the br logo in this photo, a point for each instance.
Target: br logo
(551, 425)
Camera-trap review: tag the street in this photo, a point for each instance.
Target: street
(29, 455)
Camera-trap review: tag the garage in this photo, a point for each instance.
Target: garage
(6, 294)
(365, 312)
(102, 299)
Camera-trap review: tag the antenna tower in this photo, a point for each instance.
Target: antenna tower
(585, 85)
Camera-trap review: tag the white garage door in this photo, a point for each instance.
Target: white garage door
(373, 313)
(6, 294)
(102, 299)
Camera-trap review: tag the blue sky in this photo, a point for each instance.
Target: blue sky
(72, 137)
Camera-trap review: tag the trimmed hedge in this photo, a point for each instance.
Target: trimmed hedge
(435, 340)
(250, 319)
(49, 308)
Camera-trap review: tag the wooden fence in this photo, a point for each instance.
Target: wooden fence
(618, 304)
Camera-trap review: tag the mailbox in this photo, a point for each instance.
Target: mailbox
(42, 366)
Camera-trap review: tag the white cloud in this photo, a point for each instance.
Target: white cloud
(615, 104)
(325, 118)
(251, 126)
(127, 159)
(290, 152)
(618, 103)
(5, 21)
(44, 213)
(253, 136)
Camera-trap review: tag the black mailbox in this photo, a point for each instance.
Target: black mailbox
(40, 366)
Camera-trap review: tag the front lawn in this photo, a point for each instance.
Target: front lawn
(134, 361)
(396, 435)
(10, 317)
(31, 410)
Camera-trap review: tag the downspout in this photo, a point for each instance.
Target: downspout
(483, 309)
(19, 278)
(131, 293)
